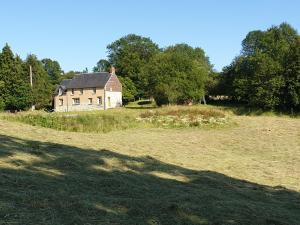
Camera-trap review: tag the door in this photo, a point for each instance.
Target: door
(108, 102)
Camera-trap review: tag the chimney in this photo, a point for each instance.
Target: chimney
(113, 70)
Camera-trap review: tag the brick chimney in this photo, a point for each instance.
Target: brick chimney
(113, 70)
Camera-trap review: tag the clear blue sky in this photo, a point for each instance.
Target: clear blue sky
(76, 33)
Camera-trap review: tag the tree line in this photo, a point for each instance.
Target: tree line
(265, 74)
(172, 75)
(16, 92)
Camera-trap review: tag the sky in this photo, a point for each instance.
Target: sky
(76, 33)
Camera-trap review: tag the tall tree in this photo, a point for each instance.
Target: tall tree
(53, 69)
(178, 75)
(102, 66)
(259, 75)
(15, 93)
(42, 88)
(291, 90)
(129, 90)
(129, 55)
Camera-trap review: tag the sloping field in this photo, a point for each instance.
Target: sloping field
(243, 174)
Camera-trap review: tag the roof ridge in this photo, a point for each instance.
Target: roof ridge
(85, 80)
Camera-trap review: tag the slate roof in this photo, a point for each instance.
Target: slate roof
(64, 83)
(87, 80)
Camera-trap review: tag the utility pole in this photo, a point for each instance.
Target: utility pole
(30, 73)
(31, 84)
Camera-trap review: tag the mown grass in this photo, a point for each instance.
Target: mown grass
(122, 119)
(248, 174)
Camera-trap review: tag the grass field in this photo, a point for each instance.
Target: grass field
(123, 118)
(247, 173)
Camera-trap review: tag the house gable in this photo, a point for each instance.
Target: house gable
(113, 84)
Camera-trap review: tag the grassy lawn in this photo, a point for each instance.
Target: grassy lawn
(247, 173)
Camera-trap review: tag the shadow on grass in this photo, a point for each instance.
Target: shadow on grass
(48, 183)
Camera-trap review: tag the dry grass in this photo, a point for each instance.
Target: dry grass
(246, 174)
(122, 119)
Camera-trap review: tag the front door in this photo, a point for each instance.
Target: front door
(108, 102)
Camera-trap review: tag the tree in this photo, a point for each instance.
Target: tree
(69, 75)
(2, 103)
(128, 89)
(15, 92)
(102, 66)
(178, 75)
(42, 88)
(129, 55)
(262, 75)
(291, 90)
(53, 69)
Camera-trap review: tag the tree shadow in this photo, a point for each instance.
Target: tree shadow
(48, 183)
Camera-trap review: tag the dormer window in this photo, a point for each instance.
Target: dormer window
(72, 91)
(60, 92)
(81, 91)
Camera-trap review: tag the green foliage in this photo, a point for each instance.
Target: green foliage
(42, 88)
(177, 75)
(15, 92)
(53, 69)
(129, 55)
(69, 75)
(266, 74)
(102, 66)
(129, 90)
(291, 90)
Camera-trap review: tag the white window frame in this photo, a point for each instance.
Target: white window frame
(90, 101)
(75, 101)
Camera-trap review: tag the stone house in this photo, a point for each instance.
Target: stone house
(89, 91)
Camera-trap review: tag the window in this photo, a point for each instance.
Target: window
(76, 101)
(99, 100)
(94, 91)
(61, 102)
(72, 91)
(81, 91)
(90, 101)
(110, 89)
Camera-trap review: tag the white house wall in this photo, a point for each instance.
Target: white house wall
(115, 99)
